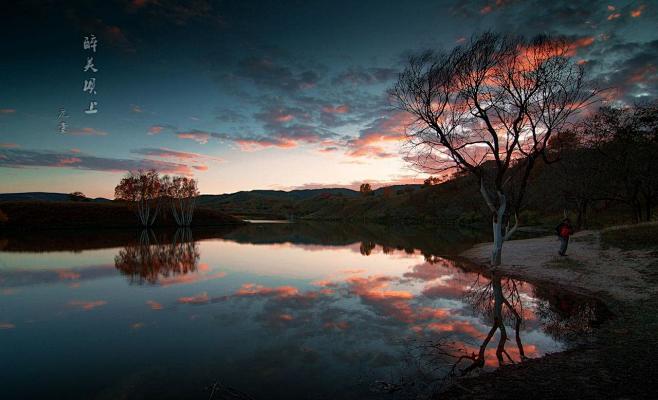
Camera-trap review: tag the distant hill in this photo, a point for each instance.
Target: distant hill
(44, 196)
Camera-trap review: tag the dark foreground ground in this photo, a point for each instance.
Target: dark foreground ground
(619, 361)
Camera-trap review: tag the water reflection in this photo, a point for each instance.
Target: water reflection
(302, 309)
(499, 303)
(147, 261)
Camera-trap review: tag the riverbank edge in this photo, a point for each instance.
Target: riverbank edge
(613, 363)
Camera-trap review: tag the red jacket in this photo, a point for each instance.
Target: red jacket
(564, 230)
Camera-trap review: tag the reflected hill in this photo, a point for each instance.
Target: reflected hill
(440, 240)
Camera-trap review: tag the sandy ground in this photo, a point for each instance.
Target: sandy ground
(618, 363)
(587, 267)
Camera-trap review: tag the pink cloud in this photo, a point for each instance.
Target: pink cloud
(198, 136)
(87, 132)
(341, 109)
(7, 111)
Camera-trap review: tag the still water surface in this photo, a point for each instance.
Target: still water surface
(264, 311)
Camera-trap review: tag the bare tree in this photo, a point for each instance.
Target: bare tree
(489, 108)
(182, 193)
(143, 190)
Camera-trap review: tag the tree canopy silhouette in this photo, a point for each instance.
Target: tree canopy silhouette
(490, 108)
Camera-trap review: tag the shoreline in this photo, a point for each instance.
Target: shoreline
(618, 357)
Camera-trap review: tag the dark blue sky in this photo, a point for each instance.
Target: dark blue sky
(267, 94)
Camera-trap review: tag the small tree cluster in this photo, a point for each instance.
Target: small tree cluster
(365, 189)
(147, 192)
(432, 180)
(181, 192)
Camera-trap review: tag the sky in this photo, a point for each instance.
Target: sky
(245, 95)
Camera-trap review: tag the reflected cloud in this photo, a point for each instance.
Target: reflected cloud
(87, 304)
(200, 298)
(154, 305)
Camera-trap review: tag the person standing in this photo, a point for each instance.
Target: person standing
(564, 230)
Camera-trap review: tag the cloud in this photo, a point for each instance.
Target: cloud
(19, 158)
(198, 136)
(264, 71)
(6, 111)
(86, 132)
(163, 152)
(638, 11)
(6, 325)
(340, 109)
(9, 146)
(365, 76)
(372, 140)
(354, 185)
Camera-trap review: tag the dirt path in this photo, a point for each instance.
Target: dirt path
(588, 266)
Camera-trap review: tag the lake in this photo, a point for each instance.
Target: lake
(263, 311)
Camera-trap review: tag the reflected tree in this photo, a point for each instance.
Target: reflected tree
(148, 261)
(500, 303)
(367, 247)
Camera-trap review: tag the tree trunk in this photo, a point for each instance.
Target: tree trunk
(496, 253)
(498, 231)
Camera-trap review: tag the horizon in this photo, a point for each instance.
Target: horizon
(245, 95)
(374, 188)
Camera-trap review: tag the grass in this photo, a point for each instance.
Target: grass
(632, 237)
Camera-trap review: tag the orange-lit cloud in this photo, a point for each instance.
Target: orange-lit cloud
(7, 111)
(7, 325)
(372, 141)
(638, 11)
